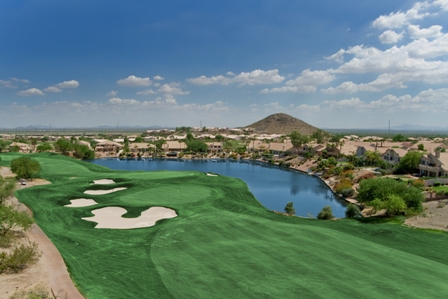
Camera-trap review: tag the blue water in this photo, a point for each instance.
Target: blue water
(271, 185)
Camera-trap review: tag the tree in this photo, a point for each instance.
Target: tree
(10, 218)
(289, 208)
(196, 146)
(25, 167)
(63, 145)
(381, 189)
(82, 151)
(399, 138)
(325, 214)
(352, 211)
(409, 163)
(44, 147)
(297, 139)
(421, 147)
(372, 158)
(394, 204)
(7, 187)
(319, 135)
(219, 138)
(4, 145)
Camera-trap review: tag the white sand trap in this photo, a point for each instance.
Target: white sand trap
(211, 174)
(81, 202)
(101, 192)
(103, 182)
(110, 217)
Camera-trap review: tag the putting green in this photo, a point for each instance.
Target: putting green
(224, 244)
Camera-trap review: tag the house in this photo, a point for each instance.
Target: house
(215, 147)
(174, 146)
(137, 147)
(86, 143)
(278, 148)
(23, 147)
(435, 165)
(108, 146)
(393, 155)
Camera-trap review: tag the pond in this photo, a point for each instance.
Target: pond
(271, 185)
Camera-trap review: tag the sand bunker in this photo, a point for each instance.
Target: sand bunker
(110, 217)
(101, 192)
(103, 182)
(81, 202)
(211, 174)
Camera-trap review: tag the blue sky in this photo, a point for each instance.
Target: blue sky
(344, 64)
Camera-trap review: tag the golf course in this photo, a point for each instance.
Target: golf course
(216, 240)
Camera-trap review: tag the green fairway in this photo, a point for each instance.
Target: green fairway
(224, 243)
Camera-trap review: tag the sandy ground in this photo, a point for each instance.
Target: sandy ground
(104, 182)
(435, 216)
(50, 271)
(81, 202)
(102, 192)
(110, 217)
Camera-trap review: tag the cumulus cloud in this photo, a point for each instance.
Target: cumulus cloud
(112, 93)
(158, 78)
(431, 32)
(256, 77)
(52, 89)
(6, 83)
(12, 83)
(169, 89)
(68, 84)
(134, 81)
(390, 37)
(20, 80)
(146, 92)
(399, 19)
(31, 92)
(305, 83)
(338, 56)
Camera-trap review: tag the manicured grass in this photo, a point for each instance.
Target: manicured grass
(224, 244)
(438, 188)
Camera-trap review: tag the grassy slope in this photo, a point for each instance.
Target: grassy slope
(224, 244)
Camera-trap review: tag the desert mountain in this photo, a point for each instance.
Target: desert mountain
(281, 123)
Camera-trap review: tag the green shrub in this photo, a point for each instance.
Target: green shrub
(436, 184)
(420, 184)
(440, 193)
(348, 192)
(325, 214)
(349, 166)
(20, 256)
(289, 208)
(352, 211)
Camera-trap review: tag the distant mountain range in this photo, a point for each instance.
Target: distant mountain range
(407, 127)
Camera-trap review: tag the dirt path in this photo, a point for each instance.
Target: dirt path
(435, 216)
(50, 271)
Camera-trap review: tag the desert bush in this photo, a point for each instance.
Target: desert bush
(352, 211)
(420, 184)
(345, 183)
(38, 292)
(349, 166)
(347, 192)
(366, 176)
(20, 256)
(325, 214)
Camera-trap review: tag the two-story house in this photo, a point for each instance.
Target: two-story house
(435, 165)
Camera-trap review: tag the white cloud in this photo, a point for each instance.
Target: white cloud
(400, 19)
(256, 77)
(68, 84)
(146, 92)
(6, 83)
(52, 89)
(305, 83)
(31, 92)
(168, 89)
(158, 78)
(338, 56)
(431, 32)
(390, 37)
(20, 80)
(134, 81)
(112, 93)
(230, 74)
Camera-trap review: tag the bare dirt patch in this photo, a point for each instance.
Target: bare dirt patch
(435, 216)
